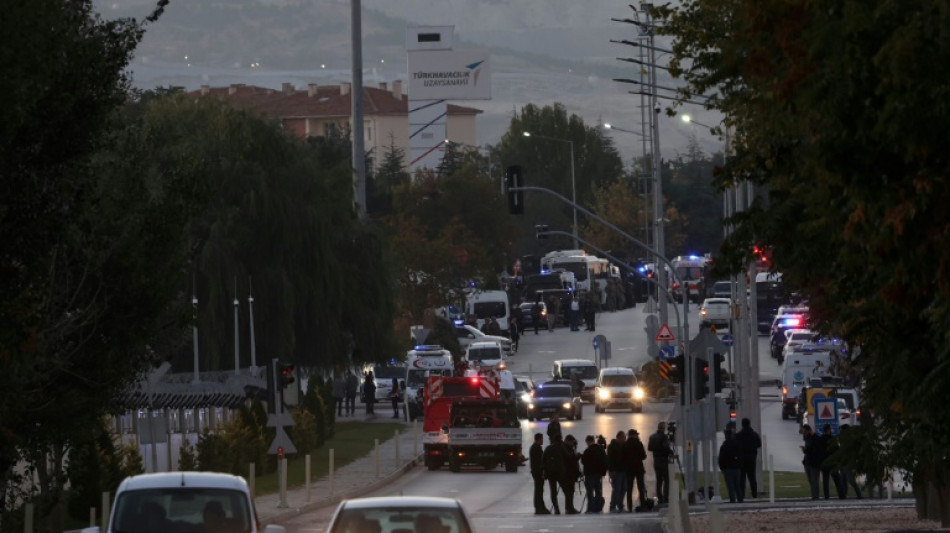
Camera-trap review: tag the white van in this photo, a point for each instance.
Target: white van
(484, 354)
(585, 369)
(173, 501)
(485, 304)
(618, 388)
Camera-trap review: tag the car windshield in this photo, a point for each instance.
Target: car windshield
(490, 309)
(416, 378)
(583, 372)
(389, 372)
(182, 509)
(554, 392)
(482, 354)
(618, 380)
(398, 519)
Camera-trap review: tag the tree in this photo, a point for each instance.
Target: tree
(838, 112)
(547, 163)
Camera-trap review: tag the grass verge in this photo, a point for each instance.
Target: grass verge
(352, 441)
(789, 485)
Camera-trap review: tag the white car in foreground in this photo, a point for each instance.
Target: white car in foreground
(184, 501)
(400, 513)
(468, 334)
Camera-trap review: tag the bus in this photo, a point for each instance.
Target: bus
(586, 268)
(769, 296)
(548, 281)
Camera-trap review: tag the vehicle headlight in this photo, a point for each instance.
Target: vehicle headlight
(603, 394)
(502, 366)
(637, 393)
(526, 398)
(567, 405)
(530, 406)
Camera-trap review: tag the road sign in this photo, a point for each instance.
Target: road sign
(667, 352)
(826, 412)
(281, 443)
(728, 340)
(665, 335)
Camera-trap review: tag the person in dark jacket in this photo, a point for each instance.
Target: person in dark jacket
(554, 428)
(555, 468)
(730, 464)
(536, 316)
(617, 471)
(594, 460)
(573, 472)
(659, 445)
(828, 444)
(394, 397)
(812, 458)
(369, 392)
(635, 454)
(536, 462)
(749, 444)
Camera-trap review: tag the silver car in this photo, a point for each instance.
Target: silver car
(400, 513)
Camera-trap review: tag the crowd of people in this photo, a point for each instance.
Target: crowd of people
(621, 461)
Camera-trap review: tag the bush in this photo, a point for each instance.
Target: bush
(187, 458)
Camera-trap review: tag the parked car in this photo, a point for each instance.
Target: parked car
(383, 377)
(180, 501)
(618, 388)
(400, 513)
(468, 334)
(527, 320)
(555, 397)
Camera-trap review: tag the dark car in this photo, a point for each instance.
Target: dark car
(524, 388)
(527, 320)
(555, 397)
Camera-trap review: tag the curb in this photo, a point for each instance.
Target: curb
(289, 513)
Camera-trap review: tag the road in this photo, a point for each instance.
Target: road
(500, 501)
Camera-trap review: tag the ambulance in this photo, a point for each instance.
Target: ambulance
(422, 362)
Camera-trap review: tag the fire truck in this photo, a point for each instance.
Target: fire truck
(440, 393)
(484, 432)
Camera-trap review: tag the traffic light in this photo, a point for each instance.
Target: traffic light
(700, 378)
(719, 378)
(676, 373)
(541, 231)
(285, 375)
(514, 179)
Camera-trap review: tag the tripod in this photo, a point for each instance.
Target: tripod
(579, 491)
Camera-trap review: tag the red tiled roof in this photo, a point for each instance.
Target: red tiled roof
(327, 102)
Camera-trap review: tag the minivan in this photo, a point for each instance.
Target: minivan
(618, 388)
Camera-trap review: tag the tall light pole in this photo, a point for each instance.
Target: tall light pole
(641, 187)
(573, 180)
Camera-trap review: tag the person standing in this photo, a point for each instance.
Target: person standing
(617, 471)
(352, 387)
(812, 459)
(536, 315)
(575, 313)
(369, 392)
(394, 396)
(590, 310)
(513, 333)
(828, 445)
(847, 474)
(594, 460)
(554, 309)
(555, 468)
(730, 464)
(661, 448)
(554, 428)
(339, 393)
(536, 462)
(635, 455)
(572, 472)
(749, 444)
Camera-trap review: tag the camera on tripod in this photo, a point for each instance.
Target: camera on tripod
(671, 428)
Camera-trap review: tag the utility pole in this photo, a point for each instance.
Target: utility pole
(356, 116)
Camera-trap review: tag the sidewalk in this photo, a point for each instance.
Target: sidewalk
(353, 480)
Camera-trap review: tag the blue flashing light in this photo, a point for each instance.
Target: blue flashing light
(642, 269)
(694, 257)
(459, 322)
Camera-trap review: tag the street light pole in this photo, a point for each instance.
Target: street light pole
(573, 179)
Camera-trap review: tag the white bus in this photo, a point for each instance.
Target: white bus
(586, 268)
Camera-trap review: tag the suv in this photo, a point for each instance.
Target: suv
(617, 387)
(716, 311)
(184, 501)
